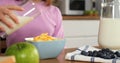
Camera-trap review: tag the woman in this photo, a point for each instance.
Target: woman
(49, 21)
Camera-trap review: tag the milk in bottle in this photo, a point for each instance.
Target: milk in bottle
(109, 27)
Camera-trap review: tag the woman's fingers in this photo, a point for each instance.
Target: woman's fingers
(13, 7)
(1, 29)
(6, 12)
(11, 15)
(14, 18)
(3, 19)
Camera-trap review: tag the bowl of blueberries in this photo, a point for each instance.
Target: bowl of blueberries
(105, 53)
(93, 54)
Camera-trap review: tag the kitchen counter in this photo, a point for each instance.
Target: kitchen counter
(61, 58)
(77, 17)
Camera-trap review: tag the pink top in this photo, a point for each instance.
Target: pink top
(49, 21)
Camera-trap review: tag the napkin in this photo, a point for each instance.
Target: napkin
(76, 56)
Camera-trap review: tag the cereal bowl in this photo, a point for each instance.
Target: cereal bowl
(48, 49)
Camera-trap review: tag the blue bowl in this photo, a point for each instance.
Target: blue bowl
(49, 49)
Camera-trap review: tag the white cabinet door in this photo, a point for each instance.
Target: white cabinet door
(80, 41)
(80, 32)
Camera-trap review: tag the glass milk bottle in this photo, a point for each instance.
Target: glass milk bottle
(109, 28)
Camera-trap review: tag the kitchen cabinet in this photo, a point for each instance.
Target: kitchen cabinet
(80, 32)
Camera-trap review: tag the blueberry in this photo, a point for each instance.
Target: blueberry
(103, 53)
(105, 49)
(113, 56)
(107, 57)
(99, 54)
(84, 53)
(90, 53)
(95, 53)
(117, 53)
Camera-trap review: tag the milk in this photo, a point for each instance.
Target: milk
(23, 20)
(109, 33)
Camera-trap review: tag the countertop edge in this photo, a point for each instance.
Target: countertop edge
(75, 17)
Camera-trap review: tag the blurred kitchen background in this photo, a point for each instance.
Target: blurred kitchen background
(77, 7)
(80, 22)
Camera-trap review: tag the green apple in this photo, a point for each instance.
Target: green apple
(24, 52)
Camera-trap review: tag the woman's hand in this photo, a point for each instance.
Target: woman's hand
(7, 10)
